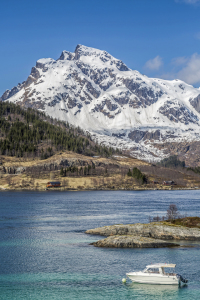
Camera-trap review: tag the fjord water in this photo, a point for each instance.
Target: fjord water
(45, 254)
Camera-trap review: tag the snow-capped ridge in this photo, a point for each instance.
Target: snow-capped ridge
(66, 55)
(45, 61)
(92, 89)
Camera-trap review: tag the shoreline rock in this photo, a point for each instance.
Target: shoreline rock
(152, 235)
(128, 241)
(150, 230)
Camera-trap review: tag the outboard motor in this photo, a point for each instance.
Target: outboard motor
(181, 278)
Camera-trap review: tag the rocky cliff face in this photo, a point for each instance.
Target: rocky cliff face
(54, 164)
(118, 106)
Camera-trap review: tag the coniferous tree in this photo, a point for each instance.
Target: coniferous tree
(85, 171)
(24, 132)
(89, 168)
(61, 172)
(129, 173)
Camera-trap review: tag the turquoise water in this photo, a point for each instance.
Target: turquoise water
(45, 254)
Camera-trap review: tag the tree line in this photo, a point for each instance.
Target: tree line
(195, 170)
(171, 161)
(30, 132)
(82, 171)
(137, 174)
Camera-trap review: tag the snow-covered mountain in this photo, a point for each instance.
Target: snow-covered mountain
(118, 106)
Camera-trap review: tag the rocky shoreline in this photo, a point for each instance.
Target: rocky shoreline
(151, 235)
(128, 241)
(43, 188)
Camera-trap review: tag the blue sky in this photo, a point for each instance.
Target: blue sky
(159, 38)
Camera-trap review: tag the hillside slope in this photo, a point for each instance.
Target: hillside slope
(79, 172)
(30, 133)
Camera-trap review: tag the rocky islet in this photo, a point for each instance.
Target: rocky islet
(152, 235)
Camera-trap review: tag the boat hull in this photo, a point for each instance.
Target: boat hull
(154, 279)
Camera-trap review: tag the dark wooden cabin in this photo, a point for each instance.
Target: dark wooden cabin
(53, 184)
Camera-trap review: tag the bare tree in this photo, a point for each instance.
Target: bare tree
(172, 212)
(156, 219)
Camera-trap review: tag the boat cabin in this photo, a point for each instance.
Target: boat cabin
(159, 269)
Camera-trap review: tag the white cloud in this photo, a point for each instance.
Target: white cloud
(186, 69)
(191, 71)
(179, 61)
(154, 64)
(191, 1)
(188, 1)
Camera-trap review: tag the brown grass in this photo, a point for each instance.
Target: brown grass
(190, 222)
(115, 178)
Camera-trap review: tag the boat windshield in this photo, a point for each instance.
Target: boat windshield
(152, 270)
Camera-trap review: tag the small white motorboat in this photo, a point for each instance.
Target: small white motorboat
(156, 274)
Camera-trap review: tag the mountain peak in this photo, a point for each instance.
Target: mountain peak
(101, 56)
(82, 50)
(92, 89)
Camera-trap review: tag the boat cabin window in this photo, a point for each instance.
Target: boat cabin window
(152, 270)
(160, 270)
(169, 271)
